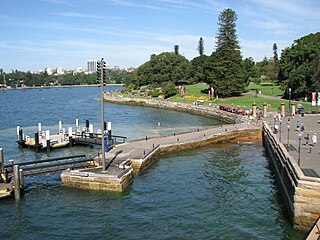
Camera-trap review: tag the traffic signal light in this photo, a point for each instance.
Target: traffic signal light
(104, 71)
(98, 70)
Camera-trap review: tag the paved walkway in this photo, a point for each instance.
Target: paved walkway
(140, 149)
(309, 153)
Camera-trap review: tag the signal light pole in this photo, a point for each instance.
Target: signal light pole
(102, 75)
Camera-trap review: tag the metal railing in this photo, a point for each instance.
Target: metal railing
(51, 165)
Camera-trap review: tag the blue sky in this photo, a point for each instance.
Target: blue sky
(68, 33)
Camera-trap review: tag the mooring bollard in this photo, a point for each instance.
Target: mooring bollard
(225, 130)
(146, 138)
(178, 139)
(310, 149)
(16, 183)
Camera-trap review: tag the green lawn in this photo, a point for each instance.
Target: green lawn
(195, 89)
(266, 89)
(193, 93)
(246, 100)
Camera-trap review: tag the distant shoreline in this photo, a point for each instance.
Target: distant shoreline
(61, 86)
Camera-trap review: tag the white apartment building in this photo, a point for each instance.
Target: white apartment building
(92, 66)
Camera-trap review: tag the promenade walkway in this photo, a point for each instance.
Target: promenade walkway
(141, 148)
(309, 153)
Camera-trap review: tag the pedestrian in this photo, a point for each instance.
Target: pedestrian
(298, 125)
(302, 127)
(314, 138)
(307, 138)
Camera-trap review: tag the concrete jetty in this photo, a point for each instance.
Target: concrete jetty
(128, 159)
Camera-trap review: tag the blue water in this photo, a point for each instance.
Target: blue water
(226, 191)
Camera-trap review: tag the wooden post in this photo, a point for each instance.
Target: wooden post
(16, 183)
(21, 178)
(48, 140)
(70, 136)
(36, 141)
(109, 130)
(1, 159)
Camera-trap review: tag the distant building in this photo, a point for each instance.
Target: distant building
(92, 66)
(60, 71)
(48, 70)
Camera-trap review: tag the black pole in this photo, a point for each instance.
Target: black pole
(280, 132)
(288, 139)
(48, 145)
(299, 150)
(290, 102)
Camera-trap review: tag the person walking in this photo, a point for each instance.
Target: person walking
(307, 138)
(314, 138)
(298, 125)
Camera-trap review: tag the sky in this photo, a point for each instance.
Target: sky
(68, 33)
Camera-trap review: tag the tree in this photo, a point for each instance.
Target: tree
(248, 65)
(201, 47)
(275, 52)
(165, 67)
(197, 66)
(176, 49)
(169, 90)
(299, 66)
(224, 69)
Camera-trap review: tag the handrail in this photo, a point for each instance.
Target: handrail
(45, 160)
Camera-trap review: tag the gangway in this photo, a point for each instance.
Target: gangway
(52, 165)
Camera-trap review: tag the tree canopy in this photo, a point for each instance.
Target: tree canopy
(165, 67)
(224, 69)
(18, 78)
(299, 66)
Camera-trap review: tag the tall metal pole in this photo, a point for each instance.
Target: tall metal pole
(280, 132)
(288, 138)
(289, 102)
(299, 150)
(102, 117)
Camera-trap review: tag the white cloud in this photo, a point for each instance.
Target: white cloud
(78, 15)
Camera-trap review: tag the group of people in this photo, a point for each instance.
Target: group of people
(300, 128)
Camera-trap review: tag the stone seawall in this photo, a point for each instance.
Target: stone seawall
(300, 194)
(139, 165)
(207, 111)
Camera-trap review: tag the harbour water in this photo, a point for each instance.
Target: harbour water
(222, 192)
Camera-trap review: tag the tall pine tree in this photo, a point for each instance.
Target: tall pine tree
(201, 47)
(224, 69)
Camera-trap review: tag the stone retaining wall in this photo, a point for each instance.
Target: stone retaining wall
(140, 165)
(300, 194)
(213, 112)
